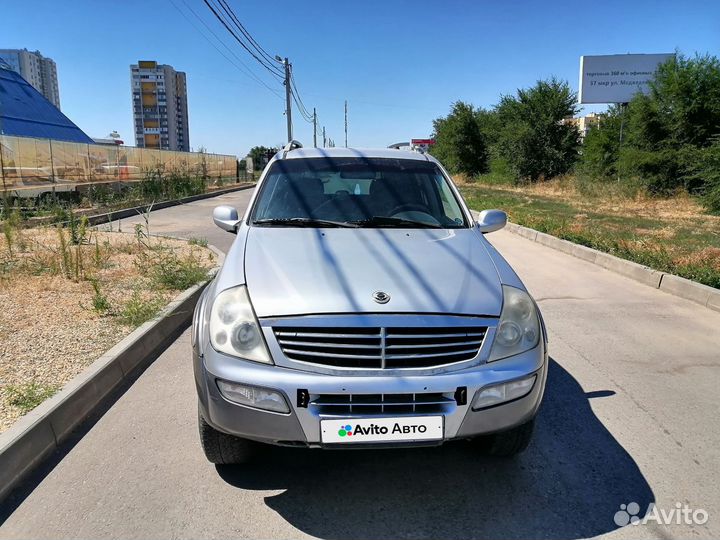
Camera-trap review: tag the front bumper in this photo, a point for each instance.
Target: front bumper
(301, 426)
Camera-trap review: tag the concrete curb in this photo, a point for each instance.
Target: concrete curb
(36, 435)
(99, 219)
(670, 283)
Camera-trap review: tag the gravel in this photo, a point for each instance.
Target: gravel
(49, 330)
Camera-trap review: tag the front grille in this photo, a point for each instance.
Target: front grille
(364, 404)
(380, 348)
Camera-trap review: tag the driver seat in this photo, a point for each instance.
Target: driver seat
(389, 192)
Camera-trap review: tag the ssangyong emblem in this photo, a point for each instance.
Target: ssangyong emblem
(381, 297)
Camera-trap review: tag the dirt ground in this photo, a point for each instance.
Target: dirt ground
(58, 314)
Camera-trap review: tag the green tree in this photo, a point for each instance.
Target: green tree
(703, 169)
(259, 155)
(668, 127)
(532, 138)
(686, 99)
(459, 141)
(602, 144)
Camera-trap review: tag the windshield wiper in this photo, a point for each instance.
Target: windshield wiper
(303, 222)
(389, 221)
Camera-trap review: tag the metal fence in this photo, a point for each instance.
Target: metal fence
(30, 167)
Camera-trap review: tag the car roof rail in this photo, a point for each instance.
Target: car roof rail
(292, 145)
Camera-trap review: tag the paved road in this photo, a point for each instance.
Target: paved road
(631, 414)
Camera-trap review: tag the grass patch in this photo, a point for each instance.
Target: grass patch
(29, 395)
(168, 270)
(671, 235)
(198, 241)
(138, 309)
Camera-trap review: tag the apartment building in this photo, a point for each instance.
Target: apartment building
(38, 70)
(160, 112)
(584, 123)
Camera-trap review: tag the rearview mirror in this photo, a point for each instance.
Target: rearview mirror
(226, 217)
(491, 220)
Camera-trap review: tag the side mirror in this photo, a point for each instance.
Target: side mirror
(226, 217)
(491, 220)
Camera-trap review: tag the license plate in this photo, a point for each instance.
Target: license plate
(360, 430)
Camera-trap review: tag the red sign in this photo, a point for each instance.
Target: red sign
(422, 142)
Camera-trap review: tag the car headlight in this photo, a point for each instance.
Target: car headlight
(234, 330)
(519, 327)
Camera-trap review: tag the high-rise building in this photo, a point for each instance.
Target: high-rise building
(584, 123)
(160, 113)
(38, 70)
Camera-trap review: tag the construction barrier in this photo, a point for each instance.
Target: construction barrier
(30, 167)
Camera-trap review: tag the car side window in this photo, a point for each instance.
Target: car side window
(447, 199)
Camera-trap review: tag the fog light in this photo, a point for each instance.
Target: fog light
(254, 396)
(501, 393)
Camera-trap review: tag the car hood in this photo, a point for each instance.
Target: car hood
(294, 271)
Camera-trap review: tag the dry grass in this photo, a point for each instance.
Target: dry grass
(672, 234)
(611, 198)
(52, 324)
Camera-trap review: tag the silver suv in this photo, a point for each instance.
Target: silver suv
(361, 306)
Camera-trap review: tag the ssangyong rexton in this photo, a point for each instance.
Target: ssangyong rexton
(361, 306)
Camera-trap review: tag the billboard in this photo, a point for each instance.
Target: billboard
(423, 144)
(616, 78)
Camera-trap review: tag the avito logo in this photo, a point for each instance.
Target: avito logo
(374, 429)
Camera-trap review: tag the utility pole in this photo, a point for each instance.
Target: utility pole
(623, 107)
(346, 123)
(288, 98)
(314, 127)
(324, 138)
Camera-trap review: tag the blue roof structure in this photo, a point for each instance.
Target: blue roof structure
(25, 112)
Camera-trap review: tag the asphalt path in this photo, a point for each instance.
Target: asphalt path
(630, 415)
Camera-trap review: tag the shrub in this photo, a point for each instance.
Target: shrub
(667, 132)
(459, 141)
(11, 228)
(78, 229)
(158, 184)
(601, 146)
(660, 171)
(100, 302)
(532, 138)
(170, 271)
(705, 170)
(138, 310)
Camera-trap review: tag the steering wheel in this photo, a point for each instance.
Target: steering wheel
(409, 207)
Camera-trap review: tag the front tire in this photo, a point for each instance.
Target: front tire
(221, 448)
(508, 443)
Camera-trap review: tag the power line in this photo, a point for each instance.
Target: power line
(243, 68)
(306, 116)
(298, 100)
(271, 69)
(301, 106)
(309, 119)
(267, 65)
(247, 34)
(229, 19)
(246, 39)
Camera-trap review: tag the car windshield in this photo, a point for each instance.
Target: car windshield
(357, 192)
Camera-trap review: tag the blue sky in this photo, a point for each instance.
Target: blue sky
(399, 64)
